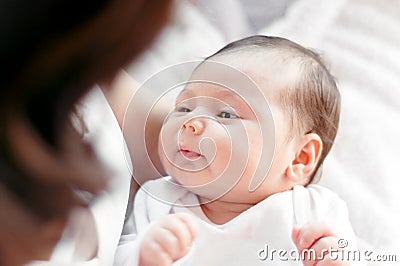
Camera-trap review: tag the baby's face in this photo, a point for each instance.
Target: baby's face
(212, 142)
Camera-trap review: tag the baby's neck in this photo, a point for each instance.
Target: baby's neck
(221, 212)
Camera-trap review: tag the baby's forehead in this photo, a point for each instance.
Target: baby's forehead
(254, 77)
(270, 70)
(208, 89)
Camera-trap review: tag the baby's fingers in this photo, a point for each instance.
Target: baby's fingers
(178, 232)
(167, 240)
(309, 234)
(152, 254)
(317, 245)
(330, 252)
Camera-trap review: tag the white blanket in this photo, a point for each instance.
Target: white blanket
(252, 238)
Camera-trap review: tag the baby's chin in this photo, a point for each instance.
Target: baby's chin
(226, 198)
(192, 184)
(208, 193)
(233, 193)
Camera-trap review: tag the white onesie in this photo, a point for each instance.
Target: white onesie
(259, 236)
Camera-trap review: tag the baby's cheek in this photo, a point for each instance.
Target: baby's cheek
(167, 144)
(217, 146)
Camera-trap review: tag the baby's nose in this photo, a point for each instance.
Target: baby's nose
(195, 126)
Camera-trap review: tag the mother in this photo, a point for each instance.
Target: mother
(53, 52)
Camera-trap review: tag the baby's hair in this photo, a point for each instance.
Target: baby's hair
(313, 100)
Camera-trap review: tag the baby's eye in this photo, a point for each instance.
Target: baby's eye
(227, 115)
(182, 109)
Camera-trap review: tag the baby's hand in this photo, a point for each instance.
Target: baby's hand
(167, 240)
(319, 238)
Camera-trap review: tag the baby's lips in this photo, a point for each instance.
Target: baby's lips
(190, 154)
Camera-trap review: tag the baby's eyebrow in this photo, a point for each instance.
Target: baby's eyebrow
(182, 93)
(227, 93)
(222, 93)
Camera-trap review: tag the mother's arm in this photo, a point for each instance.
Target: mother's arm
(119, 92)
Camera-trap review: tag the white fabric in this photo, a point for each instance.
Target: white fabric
(239, 241)
(110, 207)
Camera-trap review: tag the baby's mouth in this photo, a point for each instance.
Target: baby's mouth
(191, 155)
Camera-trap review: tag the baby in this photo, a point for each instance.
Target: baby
(247, 137)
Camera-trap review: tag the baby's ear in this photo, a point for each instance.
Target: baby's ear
(306, 159)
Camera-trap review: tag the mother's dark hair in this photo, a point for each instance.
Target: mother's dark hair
(52, 52)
